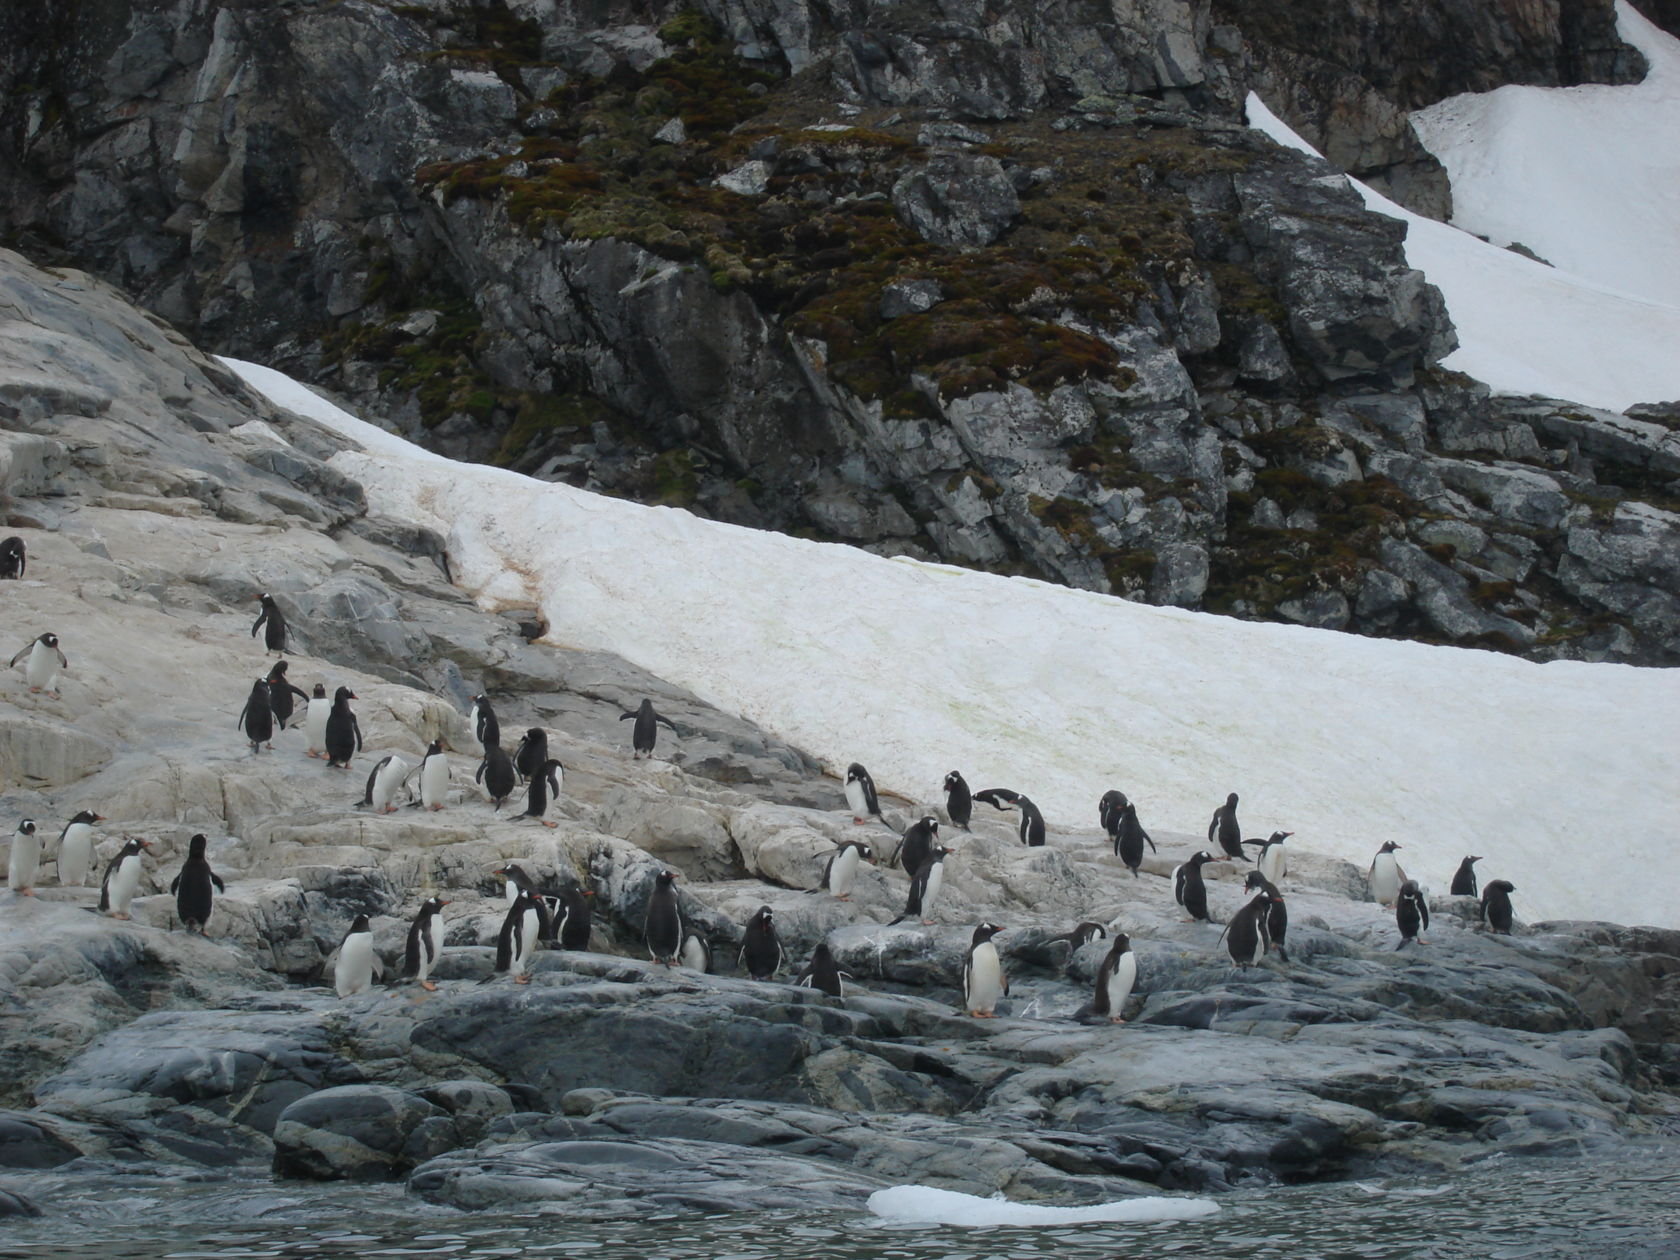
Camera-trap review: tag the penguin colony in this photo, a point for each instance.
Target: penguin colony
(538, 918)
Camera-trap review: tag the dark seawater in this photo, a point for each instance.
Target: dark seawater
(1521, 1209)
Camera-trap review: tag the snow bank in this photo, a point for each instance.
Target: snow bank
(947, 1207)
(1561, 774)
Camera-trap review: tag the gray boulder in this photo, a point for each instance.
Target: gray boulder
(359, 1133)
(958, 199)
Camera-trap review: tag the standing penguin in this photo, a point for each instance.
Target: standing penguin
(275, 636)
(840, 872)
(572, 926)
(983, 979)
(1031, 828)
(522, 930)
(917, 843)
(1277, 918)
(1129, 839)
(1411, 913)
(256, 719)
(343, 735)
(434, 777)
(357, 964)
(1248, 934)
(520, 884)
(1108, 810)
(486, 729)
(1189, 890)
(959, 801)
(192, 886)
(1115, 979)
(761, 949)
(531, 753)
(695, 955)
(663, 926)
(122, 878)
(1272, 863)
(1225, 831)
(497, 775)
(75, 849)
(25, 859)
(1496, 905)
(425, 943)
(544, 782)
(13, 560)
(315, 721)
(1464, 879)
(280, 693)
(386, 778)
(45, 661)
(645, 733)
(1386, 875)
(924, 887)
(861, 796)
(823, 973)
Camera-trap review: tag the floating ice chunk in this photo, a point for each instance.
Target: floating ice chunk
(948, 1207)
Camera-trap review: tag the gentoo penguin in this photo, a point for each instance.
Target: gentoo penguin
(434, 777)
(1189, 890)
(917, 842)
(1496, 905)
(343, 735)
(45, 660)
(1130, 837)
(1109, 807)
(13, 560)
(1115, 979)
(543, 787)
(25, 860)
(1277, 918)
(1411, 913)
(275, 635)
(497, 774)
(531, 753)
(1248, 933)
(357, 964)
(486, 729)
(280, 693)
(383, 783)
(1031, 830)
(75, 848)
(1386, 875)
(192, 886)
(315, 720)
(983, 979)
(696, 955)
(924, 887)
(663, 926)
(1464, 879)
(761, 949)
(645, 733)
(122, 878)
(861, 796)
(959, 801)
(1224, 831)
(521, 932)
(256, 719)
(521, 884)
(823, 973)
(840, 872)
(425, 943)
(1271, 862)
(1081, 936)
(572, 924)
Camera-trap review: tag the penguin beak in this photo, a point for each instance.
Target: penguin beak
(502, 871)
(442, 902)
(146, 845)
(588, 892)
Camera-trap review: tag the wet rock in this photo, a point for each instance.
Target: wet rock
(358, 1133)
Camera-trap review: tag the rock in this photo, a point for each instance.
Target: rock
(357, 1133)
(1180, 575)
(959, 199)
(910, 297)
(750, 179)
(14, 1204)
(672, 132)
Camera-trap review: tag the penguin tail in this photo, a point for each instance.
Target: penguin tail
(898, 920)
(1283, 954)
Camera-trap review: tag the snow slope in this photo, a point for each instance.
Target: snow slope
(1560, 774)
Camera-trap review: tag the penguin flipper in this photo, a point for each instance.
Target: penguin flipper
(175, 885)
(1152, 847)
(21, 654)
(216, 880)
(667, 721)
(625, 717)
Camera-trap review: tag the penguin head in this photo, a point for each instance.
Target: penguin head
(481, 699)
(343, 694)
(320, 691)
(360, 925)
(940, 851)
(1255, 881)
(278, 671)
(1503, 885)
(50, 639)
(88, 816)
(665, 879)
(1231, 800)
(763, 917)
(1122, 943)
(133, 845)
(985, 932)
(931, 823)
(953, 780)
(195, 846)
(1471, 861)
(433, 904)
(822, 955)
(1278, 837)
(1202, 858)
(1388, 847)
(26, 827)
(856, 772)
(434, 748)
(865, 851)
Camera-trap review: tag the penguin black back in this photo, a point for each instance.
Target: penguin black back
(1411, 913)
(645, 734)
(344, 732)
(761, 948)
(663, 926)
(918, 842)
(1130, 837)
(280, 693)
(959, 801)
(1496, 905)
(1464, 879)
(1225, 831)
(276, 634)
(1108, 813)
(1248, 934)
(497, 774)
(13, 560)
(256, 719)
(192, 887)
(486, 729)
(544, 786)
(575, 921)
(531, 753)
(822, 972)
(1189, 890)
(1277, 918)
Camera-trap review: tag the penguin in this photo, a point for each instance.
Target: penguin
(45, 661)
(645, 733)
(1277, 918)
(357, 964)
(383, 782)
(573, 921)
(280, 693)
(1411, 914)
(761, 949)
(924, 887)
(1129, 839)
(13, 559)
(522, 930)
(959, 801)
(1188, 888)
(1464, 879)
(531, 753)
(1081, 936)
(75, 849)
(1496, 905)
(315, 720)
(1385, 875)
(192, 888)
(486, 729)
(917, 842)
(696, 955)
(1031, 829)
(497, 774)
(1109, 807)
(663, 926)
(425, 943)
(545, 781)
(343, 735)
(275, 636)
(1272, 863)
(861, 796)
(256, 719)
(983, 979)
(434, 777)
(1225, 831)
(840, 871)
(1115, 979)
(823, 973)
(1248, 933)
(25, 859)
(521, 884)
(122, 878)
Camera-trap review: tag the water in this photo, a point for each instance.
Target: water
(1502, 1209)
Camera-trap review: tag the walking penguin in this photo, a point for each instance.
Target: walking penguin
(192, 888)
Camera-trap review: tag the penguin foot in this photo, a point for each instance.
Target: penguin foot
(546, 823)
(522, 979)
(843, 897)
(312, 752)
(428, 986)
(1115, 1019)
(123, 917)
(389, 809)
(270, 747)
(26, 892)
(34, 690)
(435, 808)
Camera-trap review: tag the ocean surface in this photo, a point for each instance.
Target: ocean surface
(1535, 1208)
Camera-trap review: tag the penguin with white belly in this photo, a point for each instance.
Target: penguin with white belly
(1272, 863)
(425, 943)
(357, 964)
(840, 871)
(1385, 875)
(384, 781)
(959, 801)
(761, 949)
(924, 887)
(663, 926)
(75, 849)
(861, 796)
(917, 843)
(1115, 979)
(486, 729)
(434, 777)
(315, 721)
(1248, 935)
(1411, 913)
(122, 878)
(517, 942)
(25, 859)
(1225, 831)
(695, 954)
(983, 979)
(45, 661)
(1189, 889)
(1031, 828)
(14, 558)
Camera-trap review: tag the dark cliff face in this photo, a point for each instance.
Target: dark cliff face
(1012, 289)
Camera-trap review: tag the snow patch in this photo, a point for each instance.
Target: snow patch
(948, 1207)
